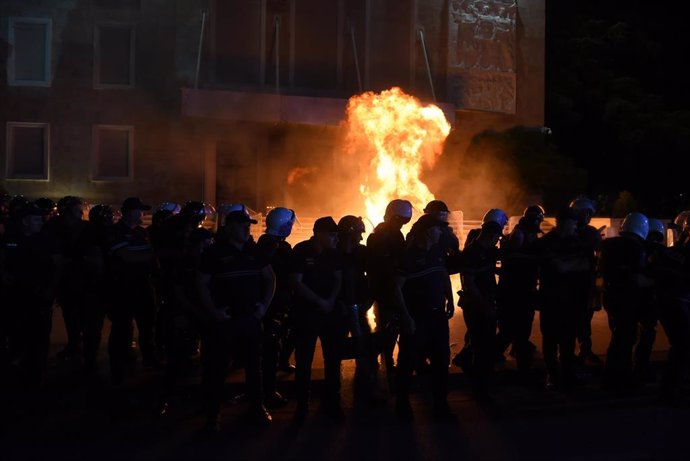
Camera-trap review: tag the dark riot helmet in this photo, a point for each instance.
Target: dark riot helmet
(350, 224)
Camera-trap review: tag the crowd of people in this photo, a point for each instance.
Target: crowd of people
(255, 303)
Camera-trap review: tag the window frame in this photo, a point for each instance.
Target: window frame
(97, 56)
(95, 153)
(48, 58)
(10, 154)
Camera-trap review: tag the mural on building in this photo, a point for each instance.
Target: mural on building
(481, 57)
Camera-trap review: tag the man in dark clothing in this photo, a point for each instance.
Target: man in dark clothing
(130, 265)
(355, 300)
(623, 266)
(30, 272)
(385, 249)
(517, 287)
(272, 243)
(96, 239)
(236, 285)
(563, 261)
(671, 271)
(421, 288)
(68, 228)
(588, 295)
(317, 276)
(649, 316)
(478, 302)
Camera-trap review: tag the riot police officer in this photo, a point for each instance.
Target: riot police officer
(563, 262)
(30, 272)
(623, 265)
(478, 301)
(518, 287)
(589, 296)
(317, 277)
(272, 243)
(385, 247)
(355, 300)
(236, 285)
(130, 266)
(421, 287)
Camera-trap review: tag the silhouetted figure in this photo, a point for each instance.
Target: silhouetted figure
(30, 270)
(385, 249)
(623, 266)
(421, 288)
(563, 262)
(236, 285)
(478, 301)
(517, 287)
(279, 223)
(317, 277)
(130, 265)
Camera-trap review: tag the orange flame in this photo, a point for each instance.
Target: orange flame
(395, 137)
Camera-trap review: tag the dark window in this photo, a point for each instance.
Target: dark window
(27, 150)
(112, 153)
(115, 55)
(30, 47)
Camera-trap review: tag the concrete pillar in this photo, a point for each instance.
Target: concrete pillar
(209, 153)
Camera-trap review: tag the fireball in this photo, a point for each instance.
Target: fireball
(395, 138)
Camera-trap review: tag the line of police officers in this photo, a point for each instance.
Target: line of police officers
(243, 300)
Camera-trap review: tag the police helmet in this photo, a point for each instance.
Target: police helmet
(534, 212)
(197, 210)
(65, 204)
(226, 208)
(682, 221)
(46, 205)
(656, 226)
(401, 208)
(102, 214)
(583, 204)
(16, 204)
(496, 215)
(170, 207)
(279, 221)
(636, 223)
(350, 224)
(436, 206)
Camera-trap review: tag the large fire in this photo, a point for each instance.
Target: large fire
(395, 137)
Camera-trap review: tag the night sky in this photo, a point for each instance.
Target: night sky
(617, 98)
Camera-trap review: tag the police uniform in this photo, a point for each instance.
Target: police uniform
(275, 322)
(320, 271)
(623, 261)
(517, 290)
(560, 297)
(479, 309)
(424, 291)
(235, 285)
(30, 264)
(132, 296)
(386, 246)
(672, 275)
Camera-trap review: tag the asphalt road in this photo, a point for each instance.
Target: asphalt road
(74, 418)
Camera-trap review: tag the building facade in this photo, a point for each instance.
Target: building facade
(236, 100)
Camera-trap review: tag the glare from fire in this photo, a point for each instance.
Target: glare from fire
(395, 137)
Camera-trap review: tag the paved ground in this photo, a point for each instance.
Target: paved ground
(73, 419)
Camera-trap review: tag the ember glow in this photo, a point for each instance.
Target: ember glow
(395, 137)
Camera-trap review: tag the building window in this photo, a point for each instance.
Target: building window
(28, 147)
(30, 42)
(112, 153)
(114, 56)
